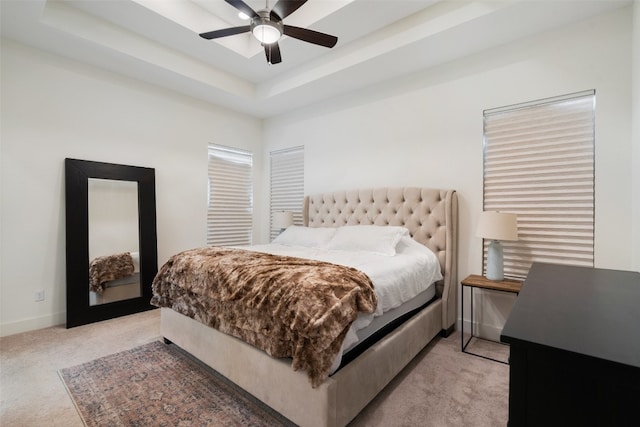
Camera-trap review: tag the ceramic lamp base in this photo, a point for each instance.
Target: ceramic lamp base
(495, 263)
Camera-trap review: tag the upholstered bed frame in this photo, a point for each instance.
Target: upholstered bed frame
(431, 217)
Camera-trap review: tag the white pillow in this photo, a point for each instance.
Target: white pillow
(309, 237)
(381, 240)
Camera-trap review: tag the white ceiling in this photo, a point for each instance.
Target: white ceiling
(157, 41)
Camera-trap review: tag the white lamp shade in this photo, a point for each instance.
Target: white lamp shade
(282, 219)
(497, 226)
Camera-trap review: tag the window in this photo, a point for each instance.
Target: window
(539, 164)
(287, 184)
(230, 203)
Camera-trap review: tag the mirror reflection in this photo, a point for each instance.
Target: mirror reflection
(114, 254)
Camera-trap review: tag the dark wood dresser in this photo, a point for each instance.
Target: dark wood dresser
(575, 348)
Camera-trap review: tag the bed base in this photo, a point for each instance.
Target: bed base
(336, 401)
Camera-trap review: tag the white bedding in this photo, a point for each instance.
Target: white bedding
(396, 279)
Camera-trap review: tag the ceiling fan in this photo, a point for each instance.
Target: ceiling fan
(267, 26)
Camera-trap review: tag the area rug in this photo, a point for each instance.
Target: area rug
(160, 385)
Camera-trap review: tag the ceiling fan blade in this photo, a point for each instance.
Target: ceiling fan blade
(284, 8)
(310, 36)
(225, 32)
(273, 53)
(243, 7)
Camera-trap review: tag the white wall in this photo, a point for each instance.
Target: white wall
(54, 108)
(113, 217)
(426, 130)
(636, 134)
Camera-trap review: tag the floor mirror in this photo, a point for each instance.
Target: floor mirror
(110, 240)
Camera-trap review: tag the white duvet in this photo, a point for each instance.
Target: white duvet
(396, 279)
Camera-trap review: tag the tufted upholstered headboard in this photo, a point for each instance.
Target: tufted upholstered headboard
(431, 215)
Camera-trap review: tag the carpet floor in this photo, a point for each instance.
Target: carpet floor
(441, 387)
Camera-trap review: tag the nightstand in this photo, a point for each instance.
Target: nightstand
(475, 281)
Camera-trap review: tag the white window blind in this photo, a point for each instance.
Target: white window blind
(539, 164)
(287, 184)
(230, 204)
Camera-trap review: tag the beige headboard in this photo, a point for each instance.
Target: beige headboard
(431, 215)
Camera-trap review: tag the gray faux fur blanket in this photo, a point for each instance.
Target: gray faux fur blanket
(289, 307)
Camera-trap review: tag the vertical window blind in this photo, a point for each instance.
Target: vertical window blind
(230, 202)
(287, 184)
(539, 164)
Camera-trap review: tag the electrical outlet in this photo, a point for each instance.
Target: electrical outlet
(40, 295)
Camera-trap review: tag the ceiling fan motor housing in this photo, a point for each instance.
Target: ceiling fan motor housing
(264, 29)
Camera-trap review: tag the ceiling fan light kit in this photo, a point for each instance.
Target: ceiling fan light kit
(268, 28)
(265, 30)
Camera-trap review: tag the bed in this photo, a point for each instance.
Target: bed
(430, 215)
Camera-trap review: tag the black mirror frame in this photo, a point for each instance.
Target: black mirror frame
(77, 174)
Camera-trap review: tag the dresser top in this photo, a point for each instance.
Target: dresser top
(589, 311)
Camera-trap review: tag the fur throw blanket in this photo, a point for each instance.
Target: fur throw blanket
(110, 267)
(286, 306)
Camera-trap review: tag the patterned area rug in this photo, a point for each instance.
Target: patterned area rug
(160, 385)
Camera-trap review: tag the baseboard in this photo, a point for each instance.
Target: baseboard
(32, 324)
(489, 332)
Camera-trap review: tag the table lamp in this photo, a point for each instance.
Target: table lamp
(496, 226)
(282, 220)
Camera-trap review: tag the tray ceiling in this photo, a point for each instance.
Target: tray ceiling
(157, 41)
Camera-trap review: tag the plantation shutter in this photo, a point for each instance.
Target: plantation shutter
(230, 204)
(287, 184)
(539, 164)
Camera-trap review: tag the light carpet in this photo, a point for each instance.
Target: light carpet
(443, 387)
